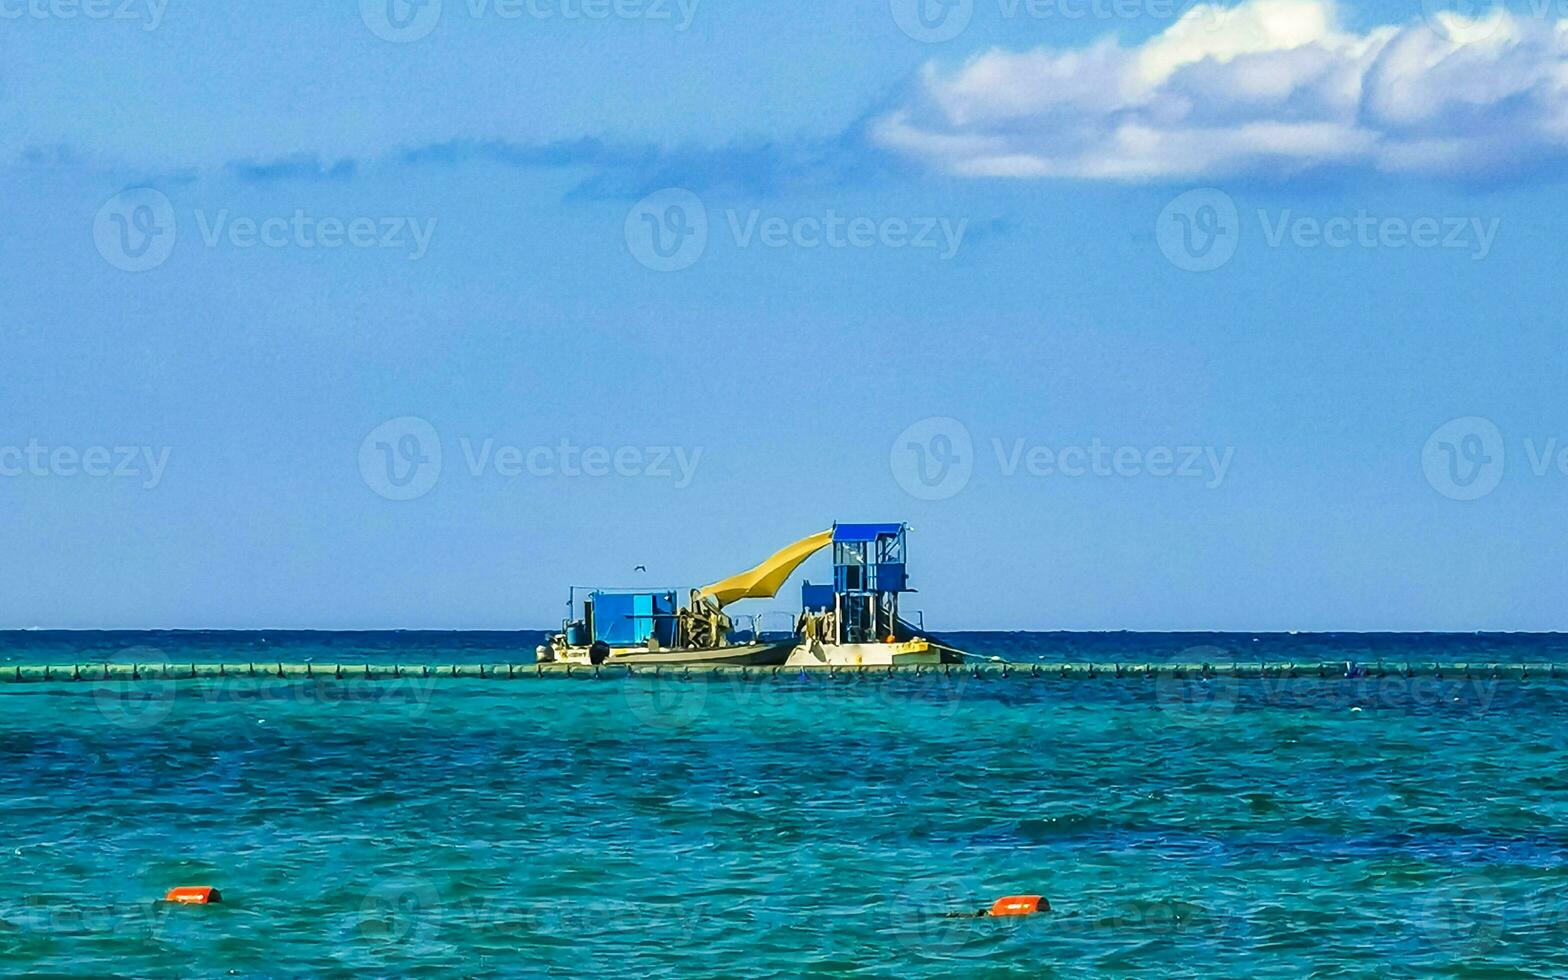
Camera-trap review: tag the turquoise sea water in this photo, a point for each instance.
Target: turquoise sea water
(1360, 827)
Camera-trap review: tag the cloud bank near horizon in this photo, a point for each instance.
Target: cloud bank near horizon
(1268, 87)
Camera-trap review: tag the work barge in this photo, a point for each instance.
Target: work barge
(852, 621)
(851, 627)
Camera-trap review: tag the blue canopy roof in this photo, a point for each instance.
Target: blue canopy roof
(865, 532)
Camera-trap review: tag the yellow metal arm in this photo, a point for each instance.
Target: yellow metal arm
(764, 581)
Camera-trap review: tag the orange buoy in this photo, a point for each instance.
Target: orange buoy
(193, 896)
(1019, 905)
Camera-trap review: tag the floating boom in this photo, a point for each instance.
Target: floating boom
(764, 581)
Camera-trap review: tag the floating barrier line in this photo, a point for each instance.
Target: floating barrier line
(1340, 670)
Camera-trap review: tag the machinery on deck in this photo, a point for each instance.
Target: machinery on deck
(651, 627)
(855, 621)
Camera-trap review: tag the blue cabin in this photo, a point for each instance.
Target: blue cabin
(626, 619)
(868, 576)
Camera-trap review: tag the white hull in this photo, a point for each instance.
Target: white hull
(814, 653)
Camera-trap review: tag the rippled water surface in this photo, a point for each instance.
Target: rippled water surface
(786, 826)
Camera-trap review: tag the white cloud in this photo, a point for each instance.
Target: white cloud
(1268, 86)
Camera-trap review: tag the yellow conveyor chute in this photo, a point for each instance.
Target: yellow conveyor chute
(764, 581)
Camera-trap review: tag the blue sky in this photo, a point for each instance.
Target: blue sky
(1247, 320)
